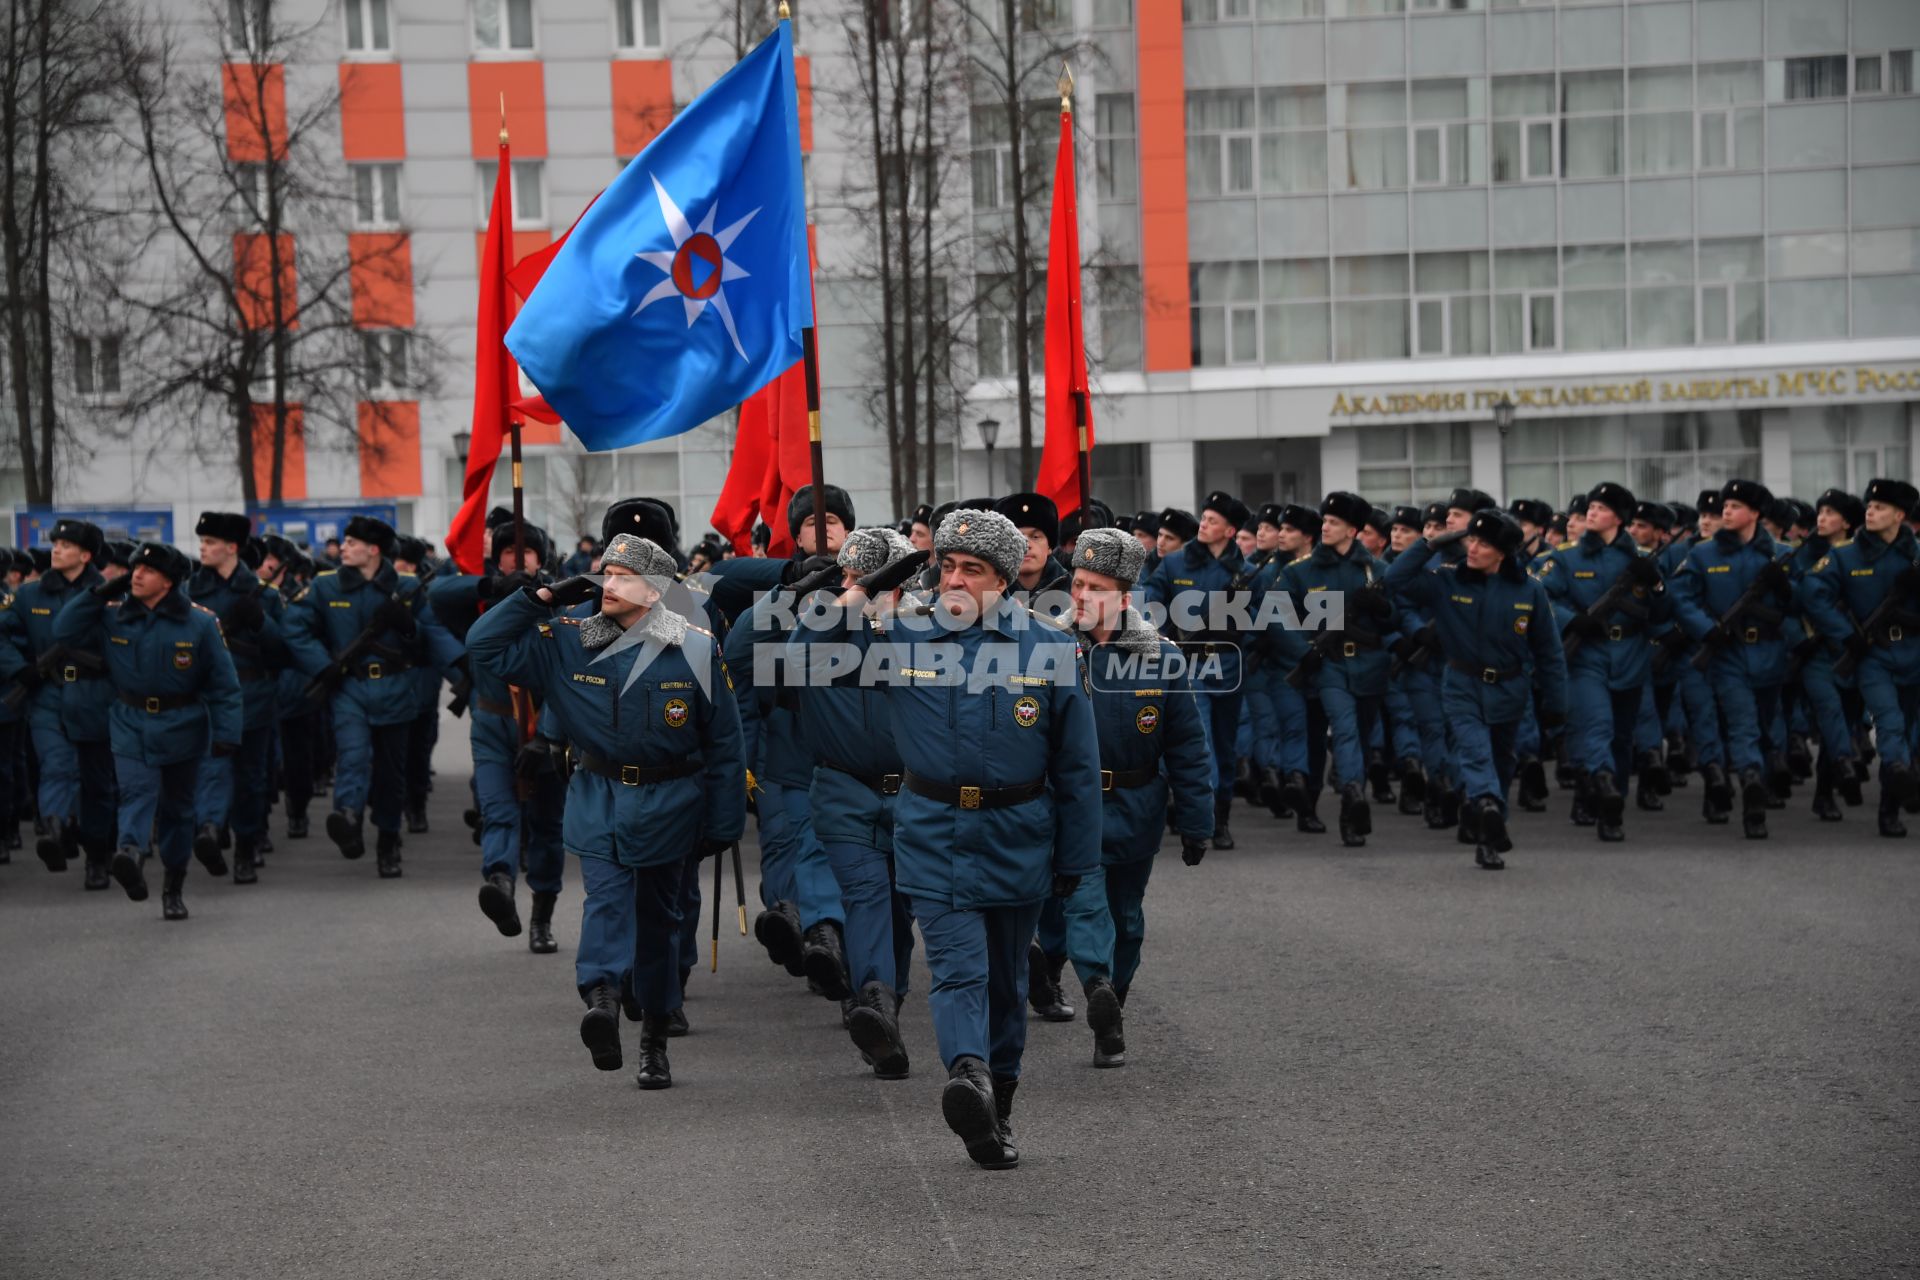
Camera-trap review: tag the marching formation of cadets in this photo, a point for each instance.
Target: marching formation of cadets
(1051, 713)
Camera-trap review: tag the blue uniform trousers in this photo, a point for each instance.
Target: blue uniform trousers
(1352, 722)
(1484, 752)
(1423, 698)
(11, 766)
(978, 963)
(793, 866)
(1223, 725)
(1827, 710)
(232, 790)
(1648, 732)
(878, 946)
(630, 931)
(77, 781)
(1526, 739)
(370, 771)
(1404, 729)
(1126, 897)
(156, 800)
(1699, 714)
(1600, 723)
(1263, 719)
(1080, 927)
(1746, 711)
(689, 943)
(1895, 709)
(513, 835)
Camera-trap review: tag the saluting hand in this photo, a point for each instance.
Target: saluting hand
(881, 581)
(113, 588)
(569, 592)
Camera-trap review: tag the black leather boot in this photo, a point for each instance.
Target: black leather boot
(1469, 829)
(346, 832)
(206, 847)
(654, 1073)
(1532, 776)
(1450, 807)
(1222, 805)
(1244, 780)
(417, 821)
(1413, 780)
(496, 904)
(1306, 818)
(823, 953)
(970, 1110)
(126, 872)
(874, 1025)
(1003, 1091)
(1492, 825)
(540, 925)
(1896, 792)
(1378, 778)
(1270, 790)
(172, 905)
(600, 1028)
(1890, 823)
(1434, 810)
(58, 844)
(96, 870)
(1356, 818)
(1779, 776)
(1652, 769)
(297, 828)
(1608, 805)
(1646, 797)
(778, 930)
(1799, 756)
(1846, 781)
(262, 846)
(1825, 807)
(1060, 1010)
(386, 853)
(1753, 804)
(1105, 1021)
(1581, 814)
(1716, 801)
(246, 867)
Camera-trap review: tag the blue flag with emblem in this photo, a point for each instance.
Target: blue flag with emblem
(684, 288)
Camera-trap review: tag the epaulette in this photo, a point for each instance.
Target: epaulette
(1058, 624)
(409, 576)
(324, 573)
(702, 630)
(567, 619)
(1836, 546)
(1304, 555)
(1565, 546)
(202, 608)
(694, 584)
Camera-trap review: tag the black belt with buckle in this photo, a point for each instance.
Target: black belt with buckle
(1127, 779)
(72, 674)
(155, 703)
(1351, 648)
(492, 708)
(1621, 630)
(253, 675)
(1757, 635)
(635, 775)
(380, 670)
(974, 797)
(886, 784)
(1485, 675)
(1888, 633)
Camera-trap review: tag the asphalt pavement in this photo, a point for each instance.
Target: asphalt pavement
(1687, 1055)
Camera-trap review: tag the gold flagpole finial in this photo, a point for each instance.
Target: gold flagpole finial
(1066, 87)
(785, 12)
(503, 119)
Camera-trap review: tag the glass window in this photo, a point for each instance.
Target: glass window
(1526, 268)
(1595, 264)
(1371, 159)
(1525, 150)
(1658, 87)
(1115, 158)
(1663, 317)
(1591, 91)
(1225, 313)
(1420, 463)
(1118, 296)
(1731, 139)
(1724, 82)
(636, 24)
(1731, 259)
(385, 360)
(1293, 140)
(96, 365)
(1732, 312)
(1294, 278)
(1591, 146)
(1594, 320)
(1664, 263)
(529, 193)
(376, 195)
(1665, 457)
(1372, 330)
(1369, 103)
(1449, 99)
(1808, 309)
(1450, 272)
(367, 27)
(1220, 142)
(1298, 332)
(1805, 79)
(1660, 142)
(1883, 251)
(1292, 8)
(1363, 276)
(1818, 254)
(502, 24)
(1449, 154)
(1113, 13)
(1523, 95)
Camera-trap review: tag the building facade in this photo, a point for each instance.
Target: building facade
(1682, 237)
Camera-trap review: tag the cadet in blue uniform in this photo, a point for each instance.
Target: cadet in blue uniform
(1192, 583)
(410, 557)
(1833, 704)
(1608, 671)
(1153, 754)
(641, 694)
(1732, 596)
(1864, 597)
(68, 714)
(176, 699)
(359, 630)
(1038, 520)
(1345, 670)
(233, 789)
(1494, 625)
(1000, 802)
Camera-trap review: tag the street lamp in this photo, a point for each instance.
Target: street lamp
(989, 435)
(462, 442)
(1503, 414)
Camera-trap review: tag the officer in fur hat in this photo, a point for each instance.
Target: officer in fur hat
(233, 789)
(356, 632)
(983, 833)
(1494, 625)
(641, 693)
(68, 714)
(177, 699)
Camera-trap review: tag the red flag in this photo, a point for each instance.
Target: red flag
(739, 501)
(789, 456)
(1066, 388)
(494, 377)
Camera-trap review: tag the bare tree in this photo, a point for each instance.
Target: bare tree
(238, 258)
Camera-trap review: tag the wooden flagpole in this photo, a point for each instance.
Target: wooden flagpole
(507, 387)
(811, 361)
(1078, 391)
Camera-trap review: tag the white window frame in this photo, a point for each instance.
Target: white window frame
(640, 44)
(1441, 301)
(246, 40)
(1725, 289)
(1725, 125)
(1239, 317)
(503, 50)
(485, 170)
(385, 342)
(1413, 153)
(1527, 297)
(393, 218)
(1885, 58)
(250, 179)
(370, 52)
(1552, 125)
(88, 354)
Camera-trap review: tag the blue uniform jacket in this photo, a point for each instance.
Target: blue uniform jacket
(495, 737)
(171, 650)
(775, 752)
(1365, 673)
(1502, 623)
(1576, 575)
(1197, 574)
(850, 726)
(13, 669)
(258, 654)
(1147, 717)
(1711, 580)
(326, 617)
(662, 701)
(77, 707)
(1026, 717)
(1847, 584)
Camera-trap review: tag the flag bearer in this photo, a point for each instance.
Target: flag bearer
(177, 700)
(641, 694)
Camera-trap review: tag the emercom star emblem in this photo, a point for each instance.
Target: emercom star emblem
(698, 265)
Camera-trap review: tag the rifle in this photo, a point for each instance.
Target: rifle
(1768, 581)
(1327, 643)
(359, 647)
(1904, 586)
(1640, 572)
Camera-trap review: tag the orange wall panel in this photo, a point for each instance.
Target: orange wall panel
(293, 466)
(803, 77)
(1160, 82)
(390, 449)
(252, 272)
(523, 85)
(642, 102)
(373, 122)
(251, 92)
(381, 263)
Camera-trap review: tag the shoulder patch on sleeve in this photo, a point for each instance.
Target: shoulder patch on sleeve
(324, 573)
(1844, 543)
(702, 630)
(1820, 564)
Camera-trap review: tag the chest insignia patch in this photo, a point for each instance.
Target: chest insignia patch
(182, 659)
(1147, 719)
(581, 677)
(339, 604)
(1026, 712)
(676, 713)
(1520, 624)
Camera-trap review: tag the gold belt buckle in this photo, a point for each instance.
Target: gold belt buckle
(1614, 633)
(969, 797)
(373, 671)
(1895, 635)
(630, 775)
(1753, 635)
(1489, 676)
(889, 784)
(153, 705)
(70, 673)
(1106, 779)
(1349, 649)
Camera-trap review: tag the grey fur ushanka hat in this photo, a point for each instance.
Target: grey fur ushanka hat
(1118, 555)
(873, 548)
(641, 555)
(987, 535)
